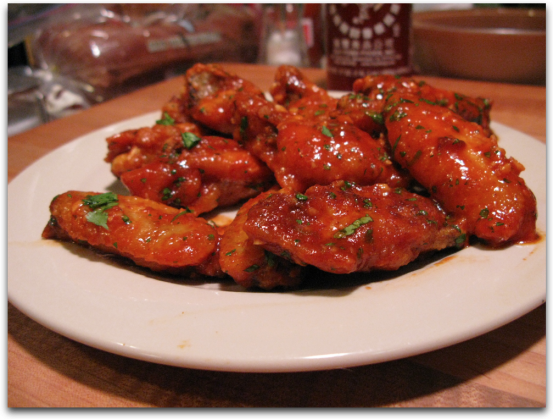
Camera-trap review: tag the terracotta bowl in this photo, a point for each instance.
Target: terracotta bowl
(502, 45)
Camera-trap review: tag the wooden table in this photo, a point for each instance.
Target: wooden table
(506, 367)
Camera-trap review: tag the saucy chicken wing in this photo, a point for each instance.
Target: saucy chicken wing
(172, 164)
(210, 172)
(251, 265)
(134, 148)
(344, 228)
(313, 150)
(462, 168)
(300, 95)
(378, 88)
(208, 96)
(150, 234)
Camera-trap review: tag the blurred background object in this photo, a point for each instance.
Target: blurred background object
(111, 49)
(424, 7)
(365, 39)
(63, 58)
(313, 31)
(282, 36)
(500, 43)
(82, 54)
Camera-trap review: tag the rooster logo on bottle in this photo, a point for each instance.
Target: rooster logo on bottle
(371, 20)
(368, 36)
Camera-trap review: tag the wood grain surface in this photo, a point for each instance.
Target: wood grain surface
(503, 368)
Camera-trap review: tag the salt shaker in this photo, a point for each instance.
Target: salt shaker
(282, 38)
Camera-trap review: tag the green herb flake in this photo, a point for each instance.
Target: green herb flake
(301, 197)
(166, 120)
(349, 230)
(460, 240)
(103, 201)
(397, 115)
(327, 132)
(99, 204)
(190, 140)
(243, 124)
(98, 217)
(186, 211)
(230, 253)
(415, 158)
(251, 268)
(484, 213)
(395, 145)
(376, 117)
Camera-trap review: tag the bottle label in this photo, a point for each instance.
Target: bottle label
(367, 39)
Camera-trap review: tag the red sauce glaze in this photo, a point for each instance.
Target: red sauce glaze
(343, 228)
(463, 169)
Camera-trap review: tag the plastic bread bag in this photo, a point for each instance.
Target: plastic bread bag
(114, 48)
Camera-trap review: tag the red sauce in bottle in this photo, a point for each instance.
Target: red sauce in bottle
(364, 39)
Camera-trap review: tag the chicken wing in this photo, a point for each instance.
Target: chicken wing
(251, 265)
(378, 88)
(343, 228)
(134, 148)
(208, 96)
(313, 150)
(462, 168)
(300, 95)
(150, 234)
(211, 172)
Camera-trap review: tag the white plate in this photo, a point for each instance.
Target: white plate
(216, 326)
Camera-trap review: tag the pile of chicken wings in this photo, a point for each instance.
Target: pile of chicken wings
(370, 181)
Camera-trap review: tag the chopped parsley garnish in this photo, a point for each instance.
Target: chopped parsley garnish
(397, 115)
(190, 140)
(460, 240)
(376, 117)
(301, 197)
(327, 132)
(186, 211)
(103, 201)
(349, 230)
(100, 204)
(243, 125)
(167, 120)
(395, 145)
